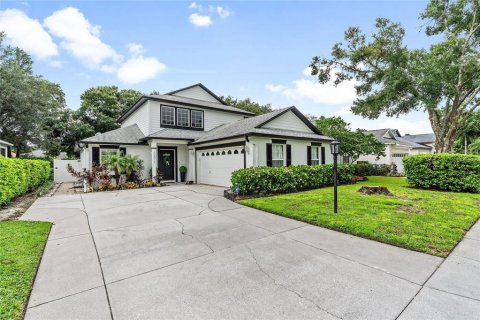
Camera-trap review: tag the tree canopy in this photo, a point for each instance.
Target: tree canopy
(28, 102)
(443, 80)
(247, 105)
(353, 143)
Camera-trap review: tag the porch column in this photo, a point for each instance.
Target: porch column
(154, 162)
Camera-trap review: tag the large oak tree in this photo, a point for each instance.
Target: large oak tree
(442, 80)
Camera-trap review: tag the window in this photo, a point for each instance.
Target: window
(197, 119)
(3, 152)
(105, 154)
(183, 117)
(168, 115)
(399, 155)
(315, 158)
(277, 155)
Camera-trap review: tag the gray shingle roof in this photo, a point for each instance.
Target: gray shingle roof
(176, 134)
(127, 135)
(420, 138)
(382, 136)
(249, 125)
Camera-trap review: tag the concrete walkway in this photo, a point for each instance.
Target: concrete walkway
(185, 252)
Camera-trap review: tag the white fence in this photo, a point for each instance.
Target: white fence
(60, 173)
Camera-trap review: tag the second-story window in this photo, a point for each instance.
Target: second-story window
(183, 117)
(168, 115)
(197, 119)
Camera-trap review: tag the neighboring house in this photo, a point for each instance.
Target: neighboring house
(4, 148)
(193, 127)
(398, 146)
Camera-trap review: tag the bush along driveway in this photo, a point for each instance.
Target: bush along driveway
(423, 220)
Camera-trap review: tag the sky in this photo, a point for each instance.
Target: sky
(255, 49)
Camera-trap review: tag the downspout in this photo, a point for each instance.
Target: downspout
(245, 152)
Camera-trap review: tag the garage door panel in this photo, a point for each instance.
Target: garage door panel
(215, 166)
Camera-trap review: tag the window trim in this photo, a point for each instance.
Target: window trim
(188, 117)
(100, 157)
(283, 154)
(191, 118)
(176, 126)
(315, 161)
(174, 115)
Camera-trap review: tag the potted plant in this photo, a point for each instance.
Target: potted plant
(183, 173)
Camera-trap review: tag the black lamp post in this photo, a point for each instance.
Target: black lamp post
(335, 149)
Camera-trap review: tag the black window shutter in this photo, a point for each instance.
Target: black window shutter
(123, 151)
(309, 155)
(95, 156)
(323, 155)
(269, 154)
(289, 155)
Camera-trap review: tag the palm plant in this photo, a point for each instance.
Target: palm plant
(131, 164)
(115, 162)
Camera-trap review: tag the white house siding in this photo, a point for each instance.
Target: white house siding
(196, 93)
(211, 118)
(144, 153)
(299, 151)
(288, 121)
(140, 117)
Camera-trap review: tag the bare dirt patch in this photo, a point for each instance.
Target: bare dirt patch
(375, 190)
(19, 205)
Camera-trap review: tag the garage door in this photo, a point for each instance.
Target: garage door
(215, 166)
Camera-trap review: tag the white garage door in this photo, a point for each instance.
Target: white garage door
(215, 166)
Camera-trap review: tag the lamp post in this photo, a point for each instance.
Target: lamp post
(335, 149)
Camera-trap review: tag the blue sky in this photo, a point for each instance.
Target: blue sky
(256, 49)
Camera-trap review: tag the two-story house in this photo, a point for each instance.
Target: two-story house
(193, 127)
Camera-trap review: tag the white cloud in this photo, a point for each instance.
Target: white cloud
(318, 93)
(199, 20)
(135, 49)
(27, 33)
(222, 12)
(344, 111)
(80, 38)
(195, 5)
(56, 63)
(275, 88)
(307, 71)
(139, 69)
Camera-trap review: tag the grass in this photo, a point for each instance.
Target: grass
(423, 220)
(22, 244)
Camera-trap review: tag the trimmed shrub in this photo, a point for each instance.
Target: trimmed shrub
(18, 176)
(268, 180)
(454, 172)
(367, 169)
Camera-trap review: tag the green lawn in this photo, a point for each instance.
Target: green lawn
(423, 220)
(21, 246)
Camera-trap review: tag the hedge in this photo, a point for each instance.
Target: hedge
(454, 172)
(269, 180)
(18, 176)
(367, 169)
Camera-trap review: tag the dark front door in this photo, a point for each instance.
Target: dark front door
(166, 164)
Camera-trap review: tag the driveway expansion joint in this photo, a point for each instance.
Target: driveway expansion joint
(98, 258)
(275, 282)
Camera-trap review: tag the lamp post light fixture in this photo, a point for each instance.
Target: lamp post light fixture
(335, 149)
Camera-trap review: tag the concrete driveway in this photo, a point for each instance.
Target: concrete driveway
(185, 252)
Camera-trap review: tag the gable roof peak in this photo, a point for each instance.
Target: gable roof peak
(210, 92)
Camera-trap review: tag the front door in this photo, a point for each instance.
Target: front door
(166, 163)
